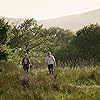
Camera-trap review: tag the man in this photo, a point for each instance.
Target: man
(25, 63)
(50, 61)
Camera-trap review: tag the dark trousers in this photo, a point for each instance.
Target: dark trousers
(50, 68)
(26, 67)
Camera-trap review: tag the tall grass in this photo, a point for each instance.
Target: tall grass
(65, 84)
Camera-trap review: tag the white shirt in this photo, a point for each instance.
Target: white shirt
(50, 60)
(25, 61)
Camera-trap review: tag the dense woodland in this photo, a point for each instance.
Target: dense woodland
(81, 48)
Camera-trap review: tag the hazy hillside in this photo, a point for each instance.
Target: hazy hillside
(73, 22)
(15, 21)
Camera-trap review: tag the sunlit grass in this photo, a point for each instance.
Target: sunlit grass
(65, 84)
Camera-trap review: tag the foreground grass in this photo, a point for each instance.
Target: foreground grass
(64, 84)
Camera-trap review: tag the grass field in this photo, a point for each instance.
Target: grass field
(65, 84)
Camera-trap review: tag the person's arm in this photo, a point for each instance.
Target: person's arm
(53, 58)
(54, 61)
(28, 60)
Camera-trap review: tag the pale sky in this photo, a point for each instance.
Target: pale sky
(45, 9)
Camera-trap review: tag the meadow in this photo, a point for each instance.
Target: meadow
(77, 76)
(80, 83)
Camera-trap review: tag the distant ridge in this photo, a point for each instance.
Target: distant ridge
(72, 22)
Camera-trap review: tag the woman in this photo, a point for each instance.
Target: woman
(25, 63)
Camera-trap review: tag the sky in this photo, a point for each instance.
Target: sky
(45, 9)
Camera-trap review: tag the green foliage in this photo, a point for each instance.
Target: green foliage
(65, 84)
(26, 35)
(83, 49)
(56, 38)
(3, 55)
(80, 49)
(4, 29)
(88, 40)
(31, 38)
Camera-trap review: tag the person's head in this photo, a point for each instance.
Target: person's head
(26, 55)
(49, 53)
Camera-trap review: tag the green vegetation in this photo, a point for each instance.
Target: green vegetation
(65, 84)
(75, 49)
(4, 30)
(77, 55)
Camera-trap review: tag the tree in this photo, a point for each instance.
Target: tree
(84, 47)
(56, 38)
(88, 43)
(4, 29)
(88, 40)
(26, 35)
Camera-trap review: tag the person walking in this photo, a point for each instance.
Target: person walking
(25, 63)
(50, 61)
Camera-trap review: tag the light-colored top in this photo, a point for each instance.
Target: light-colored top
(50, 60)
(25, 61)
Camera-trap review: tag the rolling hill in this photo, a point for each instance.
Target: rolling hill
(72, 22)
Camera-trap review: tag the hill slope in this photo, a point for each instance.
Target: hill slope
(74, 22)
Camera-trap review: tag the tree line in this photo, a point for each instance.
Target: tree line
(81, 48)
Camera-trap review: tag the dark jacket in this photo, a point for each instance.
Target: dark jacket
(27, 61)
